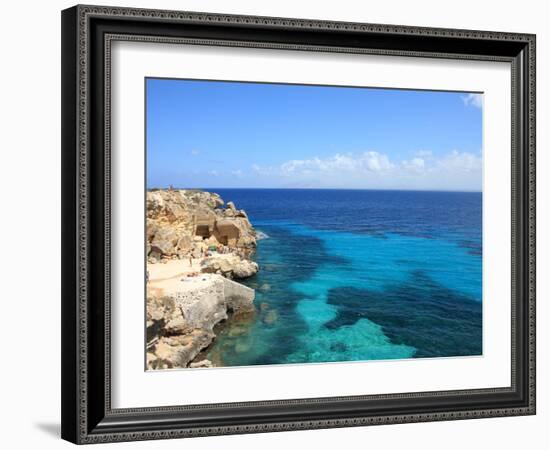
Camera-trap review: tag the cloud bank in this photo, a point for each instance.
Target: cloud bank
(373, 170)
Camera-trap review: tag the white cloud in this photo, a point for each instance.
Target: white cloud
(457, 161)
(375, 162)
(455, 171)
(414, 165)
(367, 161)
(475, 100)
(214, 173)
(237, 173)
(195, 152)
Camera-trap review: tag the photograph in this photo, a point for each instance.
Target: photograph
(273, 222)
(296, 224)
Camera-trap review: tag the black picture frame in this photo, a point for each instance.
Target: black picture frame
(87, 415)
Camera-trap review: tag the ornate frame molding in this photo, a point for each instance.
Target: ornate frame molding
(87, 422)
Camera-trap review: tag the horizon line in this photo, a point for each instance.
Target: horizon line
(319, 189)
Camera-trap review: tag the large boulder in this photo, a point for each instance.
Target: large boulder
(245, 268)
(235, 232)
(230, 266)
(219, 265)
(165, 241)
(185, 244)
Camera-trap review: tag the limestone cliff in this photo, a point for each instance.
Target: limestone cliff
(195, 246)
(183, 223)
(180, 322)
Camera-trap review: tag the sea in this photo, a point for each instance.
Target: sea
(357, 275)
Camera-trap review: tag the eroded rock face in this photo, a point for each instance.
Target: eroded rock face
(238, 300)
(177, 351)
(176, 217)
(180, 324)
(164, 241)
(218, 241)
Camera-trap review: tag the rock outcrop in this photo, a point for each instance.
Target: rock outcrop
(180, 324)
(187, 301)
(189, 222)
(230, 266)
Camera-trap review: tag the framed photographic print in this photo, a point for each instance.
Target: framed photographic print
(278, 224)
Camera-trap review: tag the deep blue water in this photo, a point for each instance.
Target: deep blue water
(350, 275)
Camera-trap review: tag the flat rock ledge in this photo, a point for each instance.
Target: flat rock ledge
(180, 323)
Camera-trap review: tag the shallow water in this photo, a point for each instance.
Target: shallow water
(359, 275)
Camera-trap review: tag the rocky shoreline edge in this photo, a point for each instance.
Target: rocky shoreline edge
(197, 246)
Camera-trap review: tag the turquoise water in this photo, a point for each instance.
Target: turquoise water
(359, 275)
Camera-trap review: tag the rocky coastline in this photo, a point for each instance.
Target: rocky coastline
(197, 246)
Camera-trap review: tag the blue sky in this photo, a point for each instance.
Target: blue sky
(207, 134)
